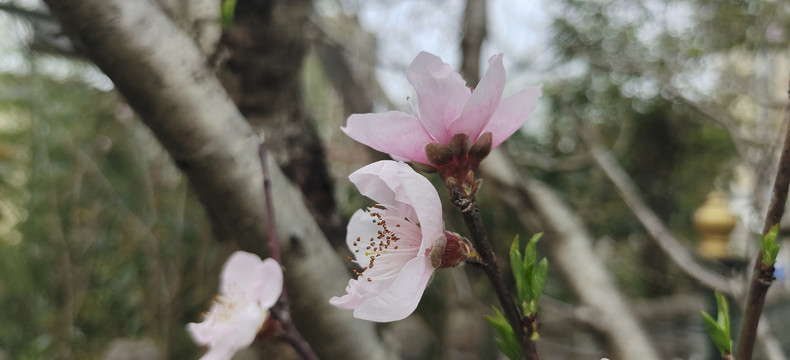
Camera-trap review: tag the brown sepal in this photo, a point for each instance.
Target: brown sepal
(438, 154)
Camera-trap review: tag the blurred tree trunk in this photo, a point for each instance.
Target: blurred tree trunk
(265, 47)
(167, 80)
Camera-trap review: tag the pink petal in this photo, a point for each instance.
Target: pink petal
(483, 102)
(271, 283)
(512, 112)
(400, 300)
(394, 132)
(441, 93)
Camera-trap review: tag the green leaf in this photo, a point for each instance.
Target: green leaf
(516, 266)
(538, 280)
(529, 274)
(506, 340)
(770, 247)
(227, 11)
(719, 329)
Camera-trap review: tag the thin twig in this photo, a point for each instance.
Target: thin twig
(280, 311)
(652, 223)
(474, 222)
(763, 275)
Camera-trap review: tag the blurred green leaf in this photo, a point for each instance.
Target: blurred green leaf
(506, 339)
(227, 12)
(719, 329)
(770, 246)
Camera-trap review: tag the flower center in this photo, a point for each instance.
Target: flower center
(387, 241)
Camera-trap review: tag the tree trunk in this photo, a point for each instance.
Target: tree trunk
(167, 80)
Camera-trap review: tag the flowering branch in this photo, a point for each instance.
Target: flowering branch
(763, 274)
(281, 310)
(522, 328)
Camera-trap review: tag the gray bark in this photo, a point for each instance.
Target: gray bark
(162, 73)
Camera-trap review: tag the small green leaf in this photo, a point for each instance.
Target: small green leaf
(516, 266)
(227, 11)
(506, 340)
(538, 280)
(529, 274)
(719, 329)
(723, 317)
(770, 247)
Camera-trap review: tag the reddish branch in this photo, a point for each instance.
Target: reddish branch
(280, 311)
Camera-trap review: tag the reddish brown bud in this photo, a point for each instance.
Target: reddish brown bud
(481, 147)
(438, 154)
(450, 250)
(460, 144)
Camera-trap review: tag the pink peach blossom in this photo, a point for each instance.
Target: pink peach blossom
(390, 241)
(249, 287)
(445, 107)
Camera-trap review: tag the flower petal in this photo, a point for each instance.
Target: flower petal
(271, 283)
(379, 181)
(395, 133)
(358, 291)
(512, 112)
(400, 300)
(238, 273)
(483, 102)
(421, 195)
(360, 227)
(236, 332)
(396, 183)
(441, 93)
(245, 275)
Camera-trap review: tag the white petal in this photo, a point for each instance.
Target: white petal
(238, 273)
(363, 228)
(400, 300)
(271, 283)
(231, 329)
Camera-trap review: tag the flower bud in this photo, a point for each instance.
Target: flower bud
(460, 144)
(481, 147)
(450, 250)
(438, 154)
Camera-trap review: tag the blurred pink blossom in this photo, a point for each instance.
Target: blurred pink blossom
(249, 287)
(390, 241)
(445, 107)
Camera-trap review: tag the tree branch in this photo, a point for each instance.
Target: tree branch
(652, 223)
(571, 252)
(166, 79)
(763, 274)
